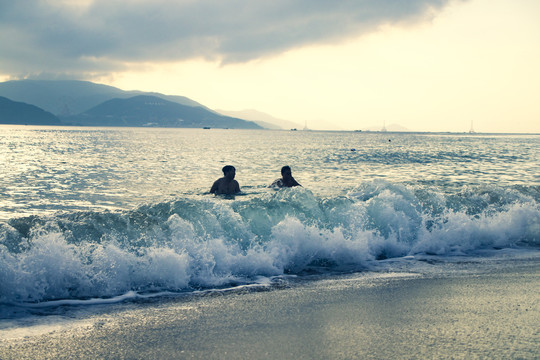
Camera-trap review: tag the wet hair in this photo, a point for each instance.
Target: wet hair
(285, 168)
(227, 168)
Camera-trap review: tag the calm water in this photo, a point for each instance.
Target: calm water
(127, 209)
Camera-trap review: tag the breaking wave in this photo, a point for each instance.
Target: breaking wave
(203, 242)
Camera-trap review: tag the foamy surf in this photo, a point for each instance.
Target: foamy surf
(202, 242)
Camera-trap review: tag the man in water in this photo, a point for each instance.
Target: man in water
(226, 185)
(286, 179)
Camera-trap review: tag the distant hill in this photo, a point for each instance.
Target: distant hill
(263, 119)
(14, 112)
(154, 111)
(70, 97)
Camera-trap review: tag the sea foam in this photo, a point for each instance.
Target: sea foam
(204, 242)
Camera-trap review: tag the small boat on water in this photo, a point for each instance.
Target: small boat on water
(471, 131)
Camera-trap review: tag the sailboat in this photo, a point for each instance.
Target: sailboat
(305, 127)
(471, 131)
(384, 127)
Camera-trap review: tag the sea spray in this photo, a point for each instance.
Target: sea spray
(201, 242)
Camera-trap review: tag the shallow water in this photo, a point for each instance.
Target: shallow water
(473, 307)
(91, 213)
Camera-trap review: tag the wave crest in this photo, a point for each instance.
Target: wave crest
(202, 242)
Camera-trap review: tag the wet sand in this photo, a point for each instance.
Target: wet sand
(488, 315)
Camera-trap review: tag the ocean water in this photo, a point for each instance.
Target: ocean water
(103, 214)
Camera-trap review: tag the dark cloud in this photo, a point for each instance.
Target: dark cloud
(55, 37)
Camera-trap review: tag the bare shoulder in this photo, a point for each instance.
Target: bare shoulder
(219, 181)
(215, 185)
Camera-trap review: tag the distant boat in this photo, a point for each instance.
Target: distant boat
(471, 131)
(384, 127)
(293, 129)
(305, 127)
(206, 127)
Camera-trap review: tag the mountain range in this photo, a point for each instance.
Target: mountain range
(85, 103)
(70, 97)
(145, 110)
(265, 120)
(14, 112)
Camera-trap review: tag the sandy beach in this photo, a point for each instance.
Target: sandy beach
(485, 315)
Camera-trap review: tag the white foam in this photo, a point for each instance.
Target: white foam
(205, 243)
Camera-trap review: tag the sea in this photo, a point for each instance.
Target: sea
(106, 215)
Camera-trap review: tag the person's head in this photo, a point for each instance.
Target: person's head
(286, 172)
(229, 171)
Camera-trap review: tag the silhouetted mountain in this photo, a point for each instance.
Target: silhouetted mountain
(69, 97)
(13, 112)
(145, 110)
(263, 119)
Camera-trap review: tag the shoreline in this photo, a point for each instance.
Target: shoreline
(491, 313)
(359, 131)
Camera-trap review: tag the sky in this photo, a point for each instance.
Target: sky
(427, 65)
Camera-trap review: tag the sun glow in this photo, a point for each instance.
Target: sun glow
(465, 65)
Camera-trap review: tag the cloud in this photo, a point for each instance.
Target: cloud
(85, 36)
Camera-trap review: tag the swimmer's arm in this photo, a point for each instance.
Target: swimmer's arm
(214, 187)
(277, 183)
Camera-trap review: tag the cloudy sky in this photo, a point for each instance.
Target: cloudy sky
(428, 65)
